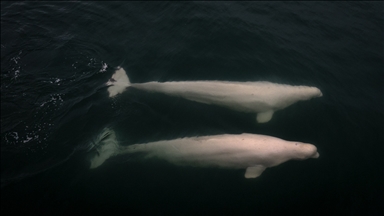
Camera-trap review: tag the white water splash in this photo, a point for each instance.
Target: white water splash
(16, 70)
(103, 67)
(55, 99)
(36, 134)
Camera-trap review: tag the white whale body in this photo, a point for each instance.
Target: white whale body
(252, 152)
(263, 98)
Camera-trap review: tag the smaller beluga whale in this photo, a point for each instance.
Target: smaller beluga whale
(262, 98)
(251, 152)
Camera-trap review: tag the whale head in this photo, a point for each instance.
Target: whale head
(313, 92)
(317, 92)
(303, 151)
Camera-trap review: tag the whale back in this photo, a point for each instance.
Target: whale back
(261, 97)
(242, 151)
(228, 151)
(249, 97)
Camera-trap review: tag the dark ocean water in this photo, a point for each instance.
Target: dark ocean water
(56, 58)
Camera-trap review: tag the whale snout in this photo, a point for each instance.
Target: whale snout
(318, 93)
(306, 151)
(312, 151)
(316, 155)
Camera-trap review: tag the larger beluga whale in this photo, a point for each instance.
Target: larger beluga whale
(263, 98)
(252, 152)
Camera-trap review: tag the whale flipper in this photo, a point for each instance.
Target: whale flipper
(263, 117)
(254, 171)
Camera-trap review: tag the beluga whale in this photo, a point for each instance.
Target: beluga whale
(262, 98)
(251, 152)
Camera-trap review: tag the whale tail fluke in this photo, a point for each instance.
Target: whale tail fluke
(106, 145)
(118, 82)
